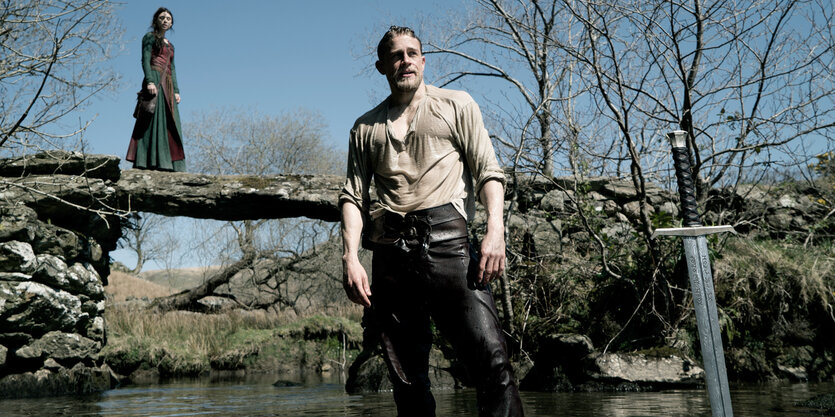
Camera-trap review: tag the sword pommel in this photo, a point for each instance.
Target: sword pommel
(686, 188)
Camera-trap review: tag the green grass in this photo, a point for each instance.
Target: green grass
(183, 343)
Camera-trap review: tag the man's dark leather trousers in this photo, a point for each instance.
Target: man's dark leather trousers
(425, 278)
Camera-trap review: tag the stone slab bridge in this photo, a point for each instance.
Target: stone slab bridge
(90, 194)
(95, 182)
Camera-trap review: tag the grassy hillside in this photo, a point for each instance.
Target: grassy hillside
(123, 286)
(179, 279)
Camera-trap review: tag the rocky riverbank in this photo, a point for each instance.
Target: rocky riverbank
(51, 307)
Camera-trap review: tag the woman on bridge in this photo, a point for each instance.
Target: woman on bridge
(157, 140)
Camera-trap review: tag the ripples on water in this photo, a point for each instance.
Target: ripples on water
(256, 396)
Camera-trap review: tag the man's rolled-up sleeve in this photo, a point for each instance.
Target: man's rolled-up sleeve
(358, 178)
(477, 148)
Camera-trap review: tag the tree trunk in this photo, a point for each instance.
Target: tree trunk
(187, 299)
(140, 262)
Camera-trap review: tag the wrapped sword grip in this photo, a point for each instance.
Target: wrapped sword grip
(686, 187)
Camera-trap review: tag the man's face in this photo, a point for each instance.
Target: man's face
(403, 64)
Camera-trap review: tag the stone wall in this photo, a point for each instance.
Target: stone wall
(51, 307)
(545, 214)
(54, 261)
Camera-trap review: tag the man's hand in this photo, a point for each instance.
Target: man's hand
(492, 262)
(355, 282)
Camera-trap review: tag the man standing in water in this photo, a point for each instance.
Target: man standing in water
(429, 155)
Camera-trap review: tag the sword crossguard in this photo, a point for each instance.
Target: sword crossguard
(686, 187)
(692, 231)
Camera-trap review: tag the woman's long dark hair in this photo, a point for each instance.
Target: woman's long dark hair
(154, 28)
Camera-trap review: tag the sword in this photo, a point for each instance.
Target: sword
(701, 279)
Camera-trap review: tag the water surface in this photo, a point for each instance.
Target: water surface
(256, 396)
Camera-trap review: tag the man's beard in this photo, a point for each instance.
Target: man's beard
(405, 85)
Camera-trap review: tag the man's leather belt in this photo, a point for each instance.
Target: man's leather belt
(417, 229)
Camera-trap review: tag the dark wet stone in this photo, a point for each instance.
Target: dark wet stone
(281, 383)
(823, 402)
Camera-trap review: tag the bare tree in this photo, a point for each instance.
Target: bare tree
(604, 81)
(51, 62)
(242, 141)
(511, 42)
(272, 254)
(750, 81)
(145, 237)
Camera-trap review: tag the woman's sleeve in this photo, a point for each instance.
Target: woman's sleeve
(151, 76)
(174, 72)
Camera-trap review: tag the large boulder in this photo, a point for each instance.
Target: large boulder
(17, 222)
(557, 363)
(539, 235)
(35, 308)
(642, 369)
(368, 374)
(62, 381)
(63, 347)
(823, 404)
(4, 353)
(554, 201)
(17, 257)
(77, 279)
(230, 197)
(57, 241)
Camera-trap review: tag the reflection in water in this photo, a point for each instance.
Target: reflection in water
(667, 403)
(256, 396)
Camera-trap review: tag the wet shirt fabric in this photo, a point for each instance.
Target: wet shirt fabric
(445, 157)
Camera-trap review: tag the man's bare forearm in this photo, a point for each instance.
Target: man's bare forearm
(354, 277)
(492, 262)
(492, 197)
(351, 228)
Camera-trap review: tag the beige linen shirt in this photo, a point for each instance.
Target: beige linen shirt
(445, 155)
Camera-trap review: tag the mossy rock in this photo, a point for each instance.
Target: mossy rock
(174, 366)
(823, 402)
(318, 328)
(235, 359)
(125, 359)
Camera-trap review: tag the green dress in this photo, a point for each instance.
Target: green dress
(156, 142)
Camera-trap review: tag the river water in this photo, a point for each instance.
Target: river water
(256, 396)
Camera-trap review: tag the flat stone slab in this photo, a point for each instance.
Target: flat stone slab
(62, 162)
(642, 369)
(230, 197)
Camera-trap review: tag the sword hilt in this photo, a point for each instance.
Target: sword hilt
(686, 188)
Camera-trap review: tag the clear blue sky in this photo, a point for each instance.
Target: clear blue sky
(272, 56)
(269, 55)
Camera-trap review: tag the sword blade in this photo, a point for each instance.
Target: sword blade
(707, 320)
